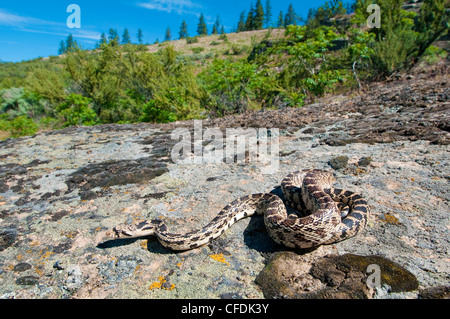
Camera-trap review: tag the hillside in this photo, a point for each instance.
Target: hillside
(214, 76)
(216, 44)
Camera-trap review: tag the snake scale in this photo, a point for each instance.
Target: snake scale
(328, 215)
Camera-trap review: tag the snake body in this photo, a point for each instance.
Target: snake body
(323, 221)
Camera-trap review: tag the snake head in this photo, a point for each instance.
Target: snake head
(119, 232)
(139, 229)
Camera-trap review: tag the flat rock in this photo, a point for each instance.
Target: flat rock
(61, 191)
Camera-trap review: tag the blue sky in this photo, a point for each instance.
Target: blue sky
(31, 29)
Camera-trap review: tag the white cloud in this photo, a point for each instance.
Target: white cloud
(169, 6)
(77, 33)
(33, 25)
(13, 20)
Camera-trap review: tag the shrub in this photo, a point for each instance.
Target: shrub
(197, 50)
(237, 86)
(433, 54)
(76, 110)
(190, 40)
(18, 126)
(18, 102)
(151, 113)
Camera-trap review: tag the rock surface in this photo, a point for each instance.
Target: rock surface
(60, 191)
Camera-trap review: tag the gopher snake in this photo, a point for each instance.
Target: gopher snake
(308, 190)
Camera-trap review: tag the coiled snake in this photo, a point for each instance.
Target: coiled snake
(331, 215)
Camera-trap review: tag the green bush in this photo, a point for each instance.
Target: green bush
(19, 102)
(18, 126)
(433, 54)
(404, 35)
(152, 114)
(237, 86)
(197, 50)
(190, 40)
(76, 111)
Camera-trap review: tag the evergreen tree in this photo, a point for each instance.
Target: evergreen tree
(216, 26)
(140, 36)
(268, 13)
(168, 35)
(126, 37)
(291, 16)
(103, 39)
(201, 27)
(71, 44)
(249, 24)
(183, 30)
(113, 36)
(222, 29)
(241, 23)
(62, 47)
(258, 18)
(280, 21)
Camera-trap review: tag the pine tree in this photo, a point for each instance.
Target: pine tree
(126, 37)
(103, 39)
(62, 47)
(280, 21)
(268, 14)
(258, 18)
(201, 27)
(241, 23)
(168, 35)
(113, 36)
(71, 44)
(249, 24)
(222, 29)
(216, 26)
(183, 30)
(291, 16)
(140, 36)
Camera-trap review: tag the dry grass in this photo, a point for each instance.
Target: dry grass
(4, 135)
(213, 43)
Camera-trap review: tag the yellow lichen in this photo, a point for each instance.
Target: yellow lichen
(219, 258)
(144, 243)
(390, 219)
(44, 255)
(160, 284)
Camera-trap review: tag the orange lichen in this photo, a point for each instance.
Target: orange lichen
(35, 243)
(390, 219)
(144, 243)
(137, 270)
(160, 284)
(44, 255)
(219, 258)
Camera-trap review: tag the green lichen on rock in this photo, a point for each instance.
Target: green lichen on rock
(339, 162)
(391, 273)
(318, 276)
